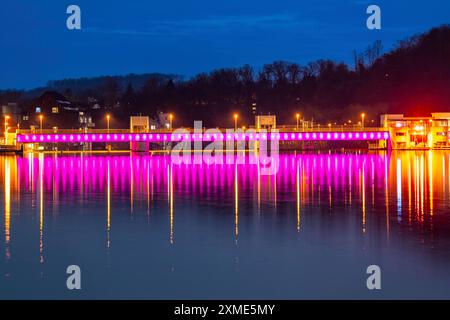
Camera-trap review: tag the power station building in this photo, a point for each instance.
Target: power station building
(418, 132)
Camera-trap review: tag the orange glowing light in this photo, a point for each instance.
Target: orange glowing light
(419, 128)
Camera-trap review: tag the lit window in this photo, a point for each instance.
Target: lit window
(55, 110)
(25, 118)
(38, 109)
(419, 128)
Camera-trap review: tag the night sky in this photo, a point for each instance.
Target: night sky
(186, 37)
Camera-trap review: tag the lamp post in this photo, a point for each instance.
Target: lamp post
(40, 121)
(298, 118)
(108, 117)
(171, 121)
(363, 116)
(107, 122)
(6, 124)
(235, 121)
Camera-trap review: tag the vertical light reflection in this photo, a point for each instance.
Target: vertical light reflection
(108, 206)
(399, 189)
(416, 187)
(422, 187)
(303, 188)
(430, 181)
(409, 192)
(350, 181)
(55, 191)
(443, 177)
(372, 184)
(131, 184)
(386, 195)
(259, 187)
(148, 190)
(275, 189)
(171, 201)
(363, 195)
(330, 198)
(7, 208)
(298, 197)
(168, 184)
(41, 207)
(81, 173)
(236, 204)
(18, 178)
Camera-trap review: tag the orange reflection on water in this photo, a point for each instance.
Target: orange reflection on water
(170, 192)
(422, 174)
(7, 178)
(41, 208)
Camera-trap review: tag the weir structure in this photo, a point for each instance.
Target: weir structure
(139, 141)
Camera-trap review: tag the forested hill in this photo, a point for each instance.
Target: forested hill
(414, 78)
(80, 85)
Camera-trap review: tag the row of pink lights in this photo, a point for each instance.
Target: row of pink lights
(143, 137)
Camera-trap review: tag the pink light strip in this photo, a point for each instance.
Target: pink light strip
(165, 137)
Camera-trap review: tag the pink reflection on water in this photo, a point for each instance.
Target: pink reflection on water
(87, 175)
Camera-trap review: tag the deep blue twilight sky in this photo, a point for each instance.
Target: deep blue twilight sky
(190, 36)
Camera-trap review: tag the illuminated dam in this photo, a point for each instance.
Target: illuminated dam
(177, 137)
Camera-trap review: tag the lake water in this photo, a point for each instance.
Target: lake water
(142, 227)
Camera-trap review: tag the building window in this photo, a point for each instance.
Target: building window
(25, 118)
(55, 110)
(38, 109)
(400, 134)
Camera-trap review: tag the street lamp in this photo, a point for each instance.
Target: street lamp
(171, 121)
(298, 118)
(363, 115)
(235, 121)
(40, 121)
(107, 122)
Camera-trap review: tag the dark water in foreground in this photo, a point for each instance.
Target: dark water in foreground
(141, 227)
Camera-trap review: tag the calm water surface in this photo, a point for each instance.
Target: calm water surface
(141, 227)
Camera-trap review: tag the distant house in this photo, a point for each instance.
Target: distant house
(57, 112)
(163, 121)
